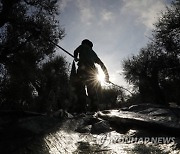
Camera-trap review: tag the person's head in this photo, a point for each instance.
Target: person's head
(87, 42)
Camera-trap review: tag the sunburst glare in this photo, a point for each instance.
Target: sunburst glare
(101, 76)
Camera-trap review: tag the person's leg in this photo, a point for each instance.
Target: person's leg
(81, 98)
(81, 92)
(94, 92)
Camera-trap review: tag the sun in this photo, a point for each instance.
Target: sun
(101, 76)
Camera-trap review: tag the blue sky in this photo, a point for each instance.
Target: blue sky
(117, 28)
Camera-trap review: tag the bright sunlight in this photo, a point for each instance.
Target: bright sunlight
(101, 76)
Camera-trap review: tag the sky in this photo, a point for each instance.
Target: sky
(117, 28)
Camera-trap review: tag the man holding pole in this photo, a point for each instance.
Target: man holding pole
(87, 74)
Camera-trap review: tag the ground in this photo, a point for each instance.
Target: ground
(135, 129)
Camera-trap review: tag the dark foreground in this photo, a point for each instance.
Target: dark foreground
(136, 129)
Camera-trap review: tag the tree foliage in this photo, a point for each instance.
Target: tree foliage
(26, 26)
(52, 85)
(155, 71)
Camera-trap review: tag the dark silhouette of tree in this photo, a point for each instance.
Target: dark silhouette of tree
(143, 71)
(155, 71)
(53, 85)
(26, 26)
(167, 34)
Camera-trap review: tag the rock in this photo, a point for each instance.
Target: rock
(131, 120)
(68, 115)
(62, 114)
(106, 111)
(91, 120)
(141, 107)
(101, 127)
(86, 129)
(87, 122)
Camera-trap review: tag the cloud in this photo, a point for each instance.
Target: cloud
(91, 13)
(107, 15)
(144, 11)
(86, 11)
(116, 28)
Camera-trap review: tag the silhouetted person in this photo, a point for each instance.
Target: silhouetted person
(87, 74)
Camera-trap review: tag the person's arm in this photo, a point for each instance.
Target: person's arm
(103, 67)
